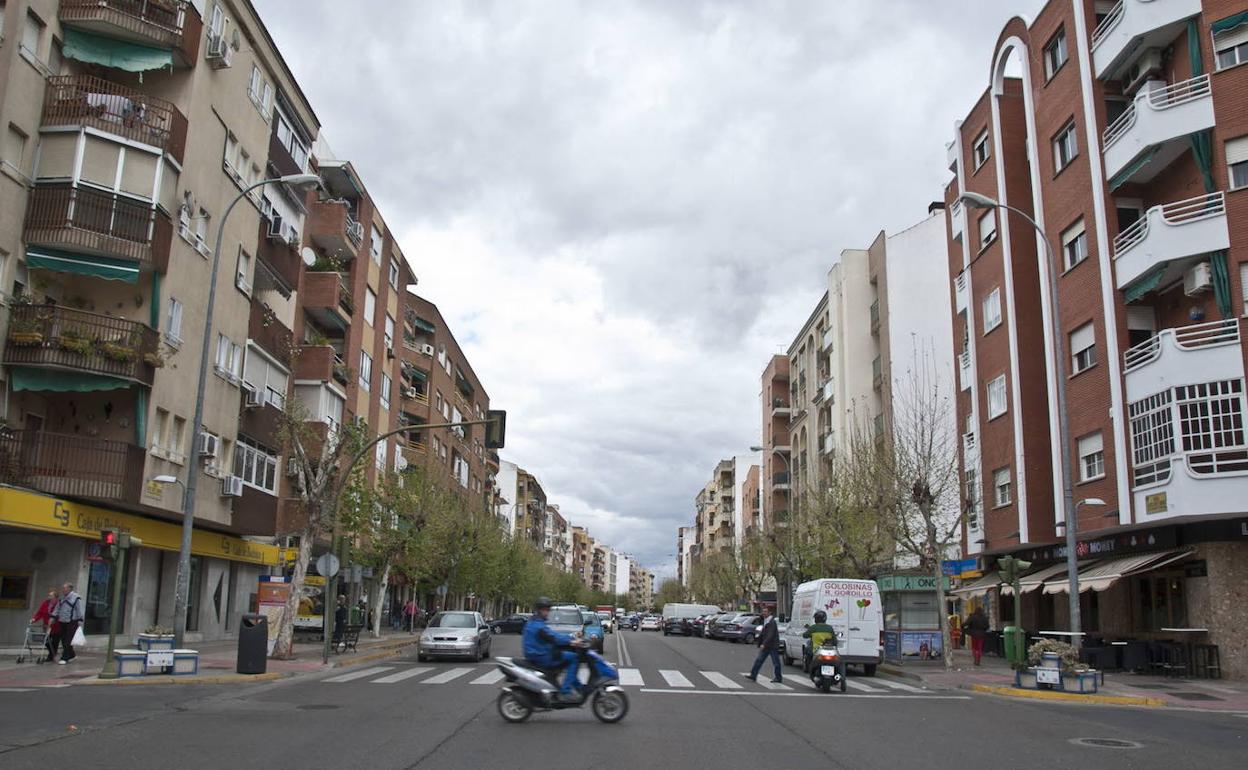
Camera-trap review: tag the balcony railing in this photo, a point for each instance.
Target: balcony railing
(157, 22)
(1192, 337)
(1133, 26)
(875, 316)
(62, 338)
(1169, 232)
(960, 293)
(964, 369)
(1156, 118)
(957, 220)
(82, 100)
(828, 338)
(72, 465)
(86, 219)
(969, 444)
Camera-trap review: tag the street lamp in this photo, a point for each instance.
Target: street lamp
(788, 557)
(976, 201)
(297, 181)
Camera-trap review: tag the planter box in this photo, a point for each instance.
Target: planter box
(185, 662)
(1076, 681)
(130, 662)
(154, 642)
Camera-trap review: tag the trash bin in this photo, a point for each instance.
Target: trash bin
(253, 644)
(1015, 651)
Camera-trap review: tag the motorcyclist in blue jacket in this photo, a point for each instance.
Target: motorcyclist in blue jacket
(549, 649)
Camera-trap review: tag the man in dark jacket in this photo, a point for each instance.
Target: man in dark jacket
(976, 627)
(768, 645)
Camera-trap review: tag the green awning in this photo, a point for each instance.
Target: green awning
(416, 373)
(423, 324)
(83, 264)
(1144, 284)
(26, 378)
(109, 52)
(1122, 177)
(1229, 23)
(1221, 282)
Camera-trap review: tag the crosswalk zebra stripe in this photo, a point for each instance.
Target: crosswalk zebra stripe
(803, 681)
(447, 676)
(631, 677)
(400, 676)
(675, 679)
(490, 677)
(773, 685)
(861, 687)
(899, 685)
(359, 674)
(720, 681)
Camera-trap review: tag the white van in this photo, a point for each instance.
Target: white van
(853, 608)
(687, 611)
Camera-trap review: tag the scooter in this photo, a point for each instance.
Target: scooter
(531, 688)
(826, 669)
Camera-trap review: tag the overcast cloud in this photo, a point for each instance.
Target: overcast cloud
(625, 208)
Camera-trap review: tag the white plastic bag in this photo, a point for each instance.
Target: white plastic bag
(80, 639)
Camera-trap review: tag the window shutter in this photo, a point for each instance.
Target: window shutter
(1237, 150)
(1074, 232)
(1091, 444)
(1231, 38)
(1082, 338)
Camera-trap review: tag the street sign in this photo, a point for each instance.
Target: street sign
(327, 565)
(1048, 675)
(159, 658)
(442, 589)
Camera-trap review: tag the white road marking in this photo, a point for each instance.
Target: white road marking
(803, 681)
(631, 677)
(17, 689)
(770, 685)
(447, 676)
(837, 696)
(399, 677)
(720, 680)
(898, 685)
(862, 687)
(359, 674)
(489, 677)
(675, 678)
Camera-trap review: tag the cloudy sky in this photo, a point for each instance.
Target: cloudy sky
(625, 208)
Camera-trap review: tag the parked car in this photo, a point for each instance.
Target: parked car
(455, 635)
(742, 628)
(676, 626)
(781, 627)
(713, 624)
(512, 624)
(650, 623)
(697, 626)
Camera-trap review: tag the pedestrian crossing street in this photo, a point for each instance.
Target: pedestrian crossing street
(648, 680)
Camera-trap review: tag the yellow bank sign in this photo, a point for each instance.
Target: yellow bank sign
(28, 510)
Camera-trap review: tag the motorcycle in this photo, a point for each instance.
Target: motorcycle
(826, 669)
(530, 688)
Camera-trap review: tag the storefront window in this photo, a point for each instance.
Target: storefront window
(918, 610)
(99, 595)
(892, 611)
(1162, 602)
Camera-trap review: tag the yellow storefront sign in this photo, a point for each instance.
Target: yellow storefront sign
(28, 510)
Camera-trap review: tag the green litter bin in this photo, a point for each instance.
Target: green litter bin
(1015, 649)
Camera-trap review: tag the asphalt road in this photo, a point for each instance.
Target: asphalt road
(690, 707)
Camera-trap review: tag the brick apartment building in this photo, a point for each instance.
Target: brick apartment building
(774, 474)
(1122, 128)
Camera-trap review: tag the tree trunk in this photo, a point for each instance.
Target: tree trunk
(379, 595)
(946, 638)
(286, 628)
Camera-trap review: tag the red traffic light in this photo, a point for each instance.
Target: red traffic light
(108, 537)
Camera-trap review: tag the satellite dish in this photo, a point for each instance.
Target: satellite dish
(309, 256)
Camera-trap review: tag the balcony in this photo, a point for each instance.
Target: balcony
(270, 333)
(780, 481)
(1194, 484)
(964, 370)
(1187, 355)
(326, 298)
(877, 373)
(72, 465)
(951, 155)
(170, 25)
(280, 257)
(875, 316)
(779, 408)
(960, 292)
(82, 100)
(335, 230)
(56, 337)
(970, 446)
(827, 444)
(1134, 25)
(255, 513)
(1170, 234)
(315, 363)
(957, 220)
(82, 219)
(1154, 129)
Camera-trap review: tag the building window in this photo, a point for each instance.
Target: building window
(1065, 146)
(1152, 438)
(173, 446)
(160, 422)
(173, 323)
(1231, 46)
(388, 337)
(385, 390)
(987, 228)
(32, 33)
(255, 465)
(1002, 487)
(379, 455)
(15, 149)
(242, 272)
(366, 371)
(996, 397)
(1243, 285)
(374, 244)
(229, 359)
(293, 143)
(265, 377)
(394, 273)
(992, 310)
(1082, 348)
(1074, 244)
(979, 150)
(1091, 457)
(261, 91)
(1237, 162)
(1211, 421)
(370, 306)
(1055, 54)
(437, 402)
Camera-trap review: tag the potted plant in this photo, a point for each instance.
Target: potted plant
(75, 341)
(154, 358)
(155, 638)
(116, 351)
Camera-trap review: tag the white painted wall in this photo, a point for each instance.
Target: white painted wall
(506, 480)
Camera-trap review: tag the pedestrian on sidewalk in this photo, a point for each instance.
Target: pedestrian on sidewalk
(976, 627)
(768, 646)
(69, 613)
(46, 614)
(409, 615)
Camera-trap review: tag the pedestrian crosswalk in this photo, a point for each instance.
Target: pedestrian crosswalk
(645, 680)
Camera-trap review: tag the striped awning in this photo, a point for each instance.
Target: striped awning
(1029, 583)
(979, 586)
(1102, 574)
(83, 264)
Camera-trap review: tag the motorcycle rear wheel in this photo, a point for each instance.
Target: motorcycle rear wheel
(609, 707)
(513, 708)
(824, 685)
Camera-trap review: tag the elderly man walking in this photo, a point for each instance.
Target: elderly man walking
(768, 646)
(69, 613)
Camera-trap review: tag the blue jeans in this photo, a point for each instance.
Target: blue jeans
(567, 660)
(762, 656)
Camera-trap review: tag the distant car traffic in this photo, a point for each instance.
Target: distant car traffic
(512, 624)
(630, 622)
(650, 623)
(698, 625)
(593, 630)
(713, 624)
(455, 635)
(743, 628)
(676, 626)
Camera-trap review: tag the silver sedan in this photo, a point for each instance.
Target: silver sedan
(455, 635)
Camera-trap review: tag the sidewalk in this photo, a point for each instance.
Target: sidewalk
(996, 677)
(217, 660)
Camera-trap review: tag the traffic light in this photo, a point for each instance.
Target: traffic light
(495, 429)
(1012, 568)
(110, 543)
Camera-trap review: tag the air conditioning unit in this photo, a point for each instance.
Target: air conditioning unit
(407, 392)
(232, 486)
(277, 229)
(426, 349)
(219, 52)
(208, 445)
(1145, 67)
(292, 467)
(252, 398)
(1197, 279)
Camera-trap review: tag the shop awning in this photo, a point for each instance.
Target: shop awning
(1030, 582)
(83, 264)
(1103, 574)
(109, 52)
(979, 586)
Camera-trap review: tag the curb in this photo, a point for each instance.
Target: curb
(165, 679)
(388, 652)
(896, 671)
(1068, 697)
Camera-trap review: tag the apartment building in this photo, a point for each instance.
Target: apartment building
(809, 380)
(556, 539)
(624, 567)
(582, 549)
(686, 542)
(776, 451)
(723, 511)
(599, 567)
(1125, 136)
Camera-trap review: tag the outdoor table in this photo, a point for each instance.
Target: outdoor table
(1188, 643)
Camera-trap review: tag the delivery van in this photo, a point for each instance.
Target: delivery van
(853, 608)
(687, 611)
